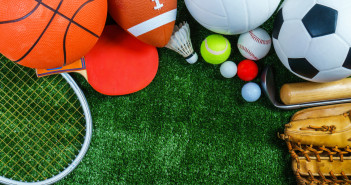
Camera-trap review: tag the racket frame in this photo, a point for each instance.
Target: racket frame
(85, 145)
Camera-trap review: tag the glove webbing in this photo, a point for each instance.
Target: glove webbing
(305, 150)
(311, 179)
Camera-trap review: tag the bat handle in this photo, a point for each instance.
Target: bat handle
(296, 93)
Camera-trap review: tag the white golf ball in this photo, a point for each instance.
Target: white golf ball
(228, 69)
(251, 92)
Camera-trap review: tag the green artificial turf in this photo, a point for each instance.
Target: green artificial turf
(189, 126)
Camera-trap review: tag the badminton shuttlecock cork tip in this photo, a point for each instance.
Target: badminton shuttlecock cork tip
(180, 42)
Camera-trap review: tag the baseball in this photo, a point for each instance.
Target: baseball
(255, 44)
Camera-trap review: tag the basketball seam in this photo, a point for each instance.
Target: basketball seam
(56, 12)
(259, 40)
(41, 35)
(248, 51)
(21, 18)
(71, 20)
(67, 29)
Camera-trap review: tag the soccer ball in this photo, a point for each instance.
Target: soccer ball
(231, 16)
(313, 38)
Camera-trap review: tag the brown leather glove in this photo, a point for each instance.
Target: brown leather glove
(319, 141)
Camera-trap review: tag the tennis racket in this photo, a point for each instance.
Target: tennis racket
(45, 126)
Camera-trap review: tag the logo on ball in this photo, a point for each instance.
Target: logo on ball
(158, 4)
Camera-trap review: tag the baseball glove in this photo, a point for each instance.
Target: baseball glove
(319, 141)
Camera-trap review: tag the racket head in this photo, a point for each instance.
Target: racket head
(45, 126)
(120, 64)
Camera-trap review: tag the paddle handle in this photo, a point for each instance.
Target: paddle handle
(296, 93)
(84, 73)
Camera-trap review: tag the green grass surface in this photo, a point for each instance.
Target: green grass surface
(189, 126)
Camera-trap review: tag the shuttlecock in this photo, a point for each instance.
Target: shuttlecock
(180, 42)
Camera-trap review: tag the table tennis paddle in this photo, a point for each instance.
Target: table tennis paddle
(118, 64)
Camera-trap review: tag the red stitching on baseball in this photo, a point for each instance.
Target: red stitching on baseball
(257, 39)
(247, 51)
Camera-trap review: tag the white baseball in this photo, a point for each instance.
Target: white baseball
(255, 44)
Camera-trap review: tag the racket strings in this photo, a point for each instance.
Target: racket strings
(46, 94)
(42, 125)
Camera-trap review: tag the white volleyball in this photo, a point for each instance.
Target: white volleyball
(231, 16)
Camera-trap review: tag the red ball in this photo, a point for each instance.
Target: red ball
(247, 70)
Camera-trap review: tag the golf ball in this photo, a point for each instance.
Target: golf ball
(251, 92)
(228, 69)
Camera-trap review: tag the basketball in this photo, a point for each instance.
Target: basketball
(49, 33)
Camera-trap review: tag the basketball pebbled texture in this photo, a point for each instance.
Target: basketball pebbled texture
(50, 33)
(151, 21)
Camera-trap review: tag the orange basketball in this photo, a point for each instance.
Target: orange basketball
(49, 33)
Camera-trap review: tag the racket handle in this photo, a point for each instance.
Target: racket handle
(296, 93)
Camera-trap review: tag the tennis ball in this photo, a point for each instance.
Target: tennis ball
(215, 49)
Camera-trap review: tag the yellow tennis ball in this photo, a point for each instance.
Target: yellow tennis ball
(215, 49)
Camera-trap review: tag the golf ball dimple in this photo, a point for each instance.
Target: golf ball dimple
(251, 92)
(228, 69)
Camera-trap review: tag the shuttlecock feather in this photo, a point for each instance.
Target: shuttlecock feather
(180, 42)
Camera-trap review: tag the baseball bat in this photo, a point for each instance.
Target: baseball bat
(303, 92)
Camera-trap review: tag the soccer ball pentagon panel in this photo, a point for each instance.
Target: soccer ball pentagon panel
(312, 38)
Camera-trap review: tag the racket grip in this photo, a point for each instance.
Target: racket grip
(303, 92)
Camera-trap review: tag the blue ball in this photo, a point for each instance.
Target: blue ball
(251, 92)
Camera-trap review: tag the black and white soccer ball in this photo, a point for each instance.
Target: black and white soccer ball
(312, 38)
